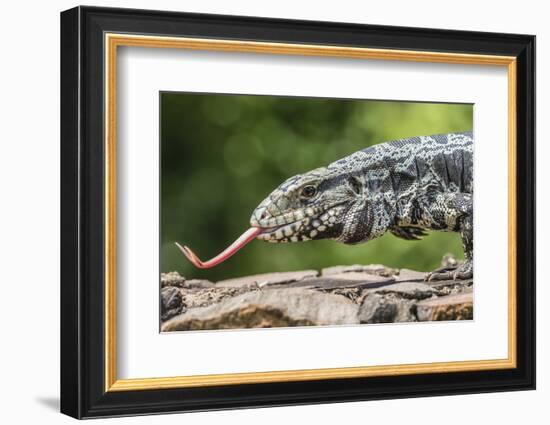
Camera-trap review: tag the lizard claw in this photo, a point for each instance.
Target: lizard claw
(463, 271)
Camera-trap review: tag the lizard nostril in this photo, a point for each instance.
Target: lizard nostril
(261, 213)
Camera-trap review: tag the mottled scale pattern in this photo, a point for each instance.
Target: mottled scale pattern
(403, 186)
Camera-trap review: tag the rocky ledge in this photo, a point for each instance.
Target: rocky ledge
(341, 295)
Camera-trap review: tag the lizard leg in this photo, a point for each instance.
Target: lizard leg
(459, 208)
(466, 269)
(408, 233)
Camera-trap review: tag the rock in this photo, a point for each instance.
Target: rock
(373, 269)
(394, 302)
(449, 287)
(351, 293)
(171, 303)
(449, 307)
(359, 276)
(176, 280)
(343, 280)
(406, 275)
(271, 308)
(261, 280)
(170, 298)
(193, 298)
(449, 261)
(340, 295)
(409, 290)
(377, 308)
(198, 283)
(171, 279)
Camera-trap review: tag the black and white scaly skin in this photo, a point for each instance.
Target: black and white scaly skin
(404, 186)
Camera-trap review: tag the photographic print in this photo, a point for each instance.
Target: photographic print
(301, 194)
(291, 211)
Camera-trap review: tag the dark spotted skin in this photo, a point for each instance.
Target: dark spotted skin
(404, 186)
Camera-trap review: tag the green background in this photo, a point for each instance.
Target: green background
(221, 155)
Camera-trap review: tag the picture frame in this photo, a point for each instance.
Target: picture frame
(90, 41)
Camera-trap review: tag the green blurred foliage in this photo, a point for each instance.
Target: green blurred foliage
(221, 155)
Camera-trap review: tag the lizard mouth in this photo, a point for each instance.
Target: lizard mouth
(284, 232)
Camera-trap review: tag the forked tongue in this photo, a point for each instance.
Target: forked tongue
(244, 239)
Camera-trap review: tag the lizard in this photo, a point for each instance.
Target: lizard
(404, 187)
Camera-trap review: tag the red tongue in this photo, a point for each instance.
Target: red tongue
(245, 238)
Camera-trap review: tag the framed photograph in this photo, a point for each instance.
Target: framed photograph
(261, 212)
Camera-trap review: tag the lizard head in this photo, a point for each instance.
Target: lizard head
(342, 202)
(320, 204)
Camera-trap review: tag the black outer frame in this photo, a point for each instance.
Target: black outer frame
(82, 212)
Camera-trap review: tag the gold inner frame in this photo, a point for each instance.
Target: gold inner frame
(113, 41)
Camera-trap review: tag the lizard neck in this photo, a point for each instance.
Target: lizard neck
(373, 211)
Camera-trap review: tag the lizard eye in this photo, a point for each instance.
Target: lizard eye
(308, 191)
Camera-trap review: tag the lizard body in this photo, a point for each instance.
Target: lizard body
(404, 186)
